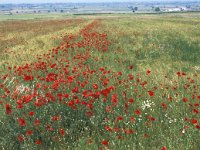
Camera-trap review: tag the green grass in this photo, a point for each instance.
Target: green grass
(4, 17)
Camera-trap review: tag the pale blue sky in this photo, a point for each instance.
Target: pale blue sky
(56, 1)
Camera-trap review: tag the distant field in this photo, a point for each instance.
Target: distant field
(4, 17)
(101, 81)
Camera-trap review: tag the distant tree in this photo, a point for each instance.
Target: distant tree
(49, 11)
(133, 8)
(157, 9)
(136, 8)
(61, 11)
(34, 11)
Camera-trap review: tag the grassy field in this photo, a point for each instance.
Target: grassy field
(116, 81)
(22, 40)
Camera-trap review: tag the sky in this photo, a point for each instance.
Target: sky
(76, 1)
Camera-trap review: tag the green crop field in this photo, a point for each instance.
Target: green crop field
(104, 81)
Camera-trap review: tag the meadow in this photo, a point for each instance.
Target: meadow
(115, 81)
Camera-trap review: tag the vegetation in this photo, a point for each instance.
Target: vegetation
(22, 40)
(157, 9)
(120, 82)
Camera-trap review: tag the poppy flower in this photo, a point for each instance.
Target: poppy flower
(36, 122)
(108, 128)
(137, 112)
(31, 113)
(20, 138)
(197, 126)
(195, 111)
(131, 67)
(132, 119)
(62, 132)
(104, 142)
(163, 148)
(131, 100)
(28, 78)
(119, 118)
(184, 99)
(95, 86)
(151, 93)
(114, 98)
(178, 74)
(38, 142)
(8, 109)
(194, 121)
(29, 132)
(164, 106)
(148, 72)
(21, 122)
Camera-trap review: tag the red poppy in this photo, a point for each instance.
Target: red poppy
(36, 122)
(29, 132)
(152, 119)
(114, 98)
(49, 128)
(137, 112)
(62, 132)
(132, 119)
(75, 90)
(56, 118)
(131, 67)
(59, 95)
(95, 86)
(195, 111)
(31, 113)
(119, 118)
(131, 100)
(71, 103)
(184, 99)
(20, 138)
(28, 78)
(8, 109)
(128, 131)
(194, 121)
(21, 122)
(163, 148)
(198, 126)
(104, 142)
(38, 142)
(151, 93)
(164, 106)
(148, 72)
(178, 74)
(108, 128)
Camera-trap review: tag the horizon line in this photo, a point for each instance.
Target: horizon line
(100, 2)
